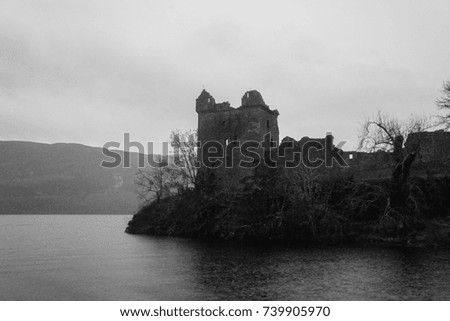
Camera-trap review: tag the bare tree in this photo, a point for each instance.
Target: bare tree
(306, 182)
(384, 132)
(151, 183)
(387, 133)
(169, 177)
(155, 183)
(184, 144)
(443, 104)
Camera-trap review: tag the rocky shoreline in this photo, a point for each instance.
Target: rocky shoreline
(343, 212)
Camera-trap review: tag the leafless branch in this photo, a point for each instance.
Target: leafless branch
(380, 131)
(443, 104)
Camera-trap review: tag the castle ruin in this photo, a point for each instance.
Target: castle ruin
(222, 125)
(225, 127)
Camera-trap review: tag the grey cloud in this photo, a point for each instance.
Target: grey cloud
(88, 71)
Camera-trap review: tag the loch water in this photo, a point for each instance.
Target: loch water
(89, 257)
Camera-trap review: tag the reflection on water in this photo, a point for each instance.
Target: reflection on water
(90, 258)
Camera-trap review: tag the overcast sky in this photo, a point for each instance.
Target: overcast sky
(88, 71)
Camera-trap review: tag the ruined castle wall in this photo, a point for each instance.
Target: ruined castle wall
(433, 152)
(224, 124)
(429, 146)
(432, 157)
(240, 124)
(237, 124)
(369, 165)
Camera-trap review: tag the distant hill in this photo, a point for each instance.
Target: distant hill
(61, 178)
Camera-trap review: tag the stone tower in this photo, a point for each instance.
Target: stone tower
(221, 124)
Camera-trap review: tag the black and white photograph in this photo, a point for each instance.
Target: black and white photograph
(278, 158)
